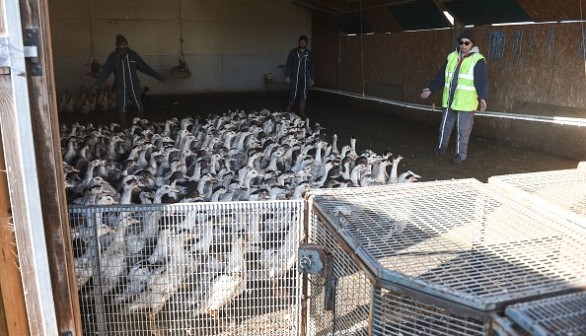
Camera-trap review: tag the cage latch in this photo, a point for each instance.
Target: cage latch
(317, 259)
(312, 259)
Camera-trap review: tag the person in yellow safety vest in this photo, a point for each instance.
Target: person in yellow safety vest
(464, 81)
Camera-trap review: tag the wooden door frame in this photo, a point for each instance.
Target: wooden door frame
(31, 144)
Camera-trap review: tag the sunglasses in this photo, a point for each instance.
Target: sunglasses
(466, 43)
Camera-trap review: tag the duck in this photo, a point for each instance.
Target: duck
(276, 262)
(113, 259)
(136, 280)
(195, 299)
(393, 177)
(408, 177)
(233, 282)
(162, 285)
(86, 263)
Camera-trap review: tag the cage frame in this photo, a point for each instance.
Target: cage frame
(379, 279)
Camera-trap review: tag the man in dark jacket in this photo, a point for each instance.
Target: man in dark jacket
(299, 72)
(124, 62)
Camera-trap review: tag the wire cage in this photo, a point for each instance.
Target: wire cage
(435, 258)
(223, 268)
(503, 326)
(562, 315)
(562, 192)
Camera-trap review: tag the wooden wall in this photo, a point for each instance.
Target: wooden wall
(541, 71)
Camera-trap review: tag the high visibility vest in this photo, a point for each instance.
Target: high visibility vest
(465, 98)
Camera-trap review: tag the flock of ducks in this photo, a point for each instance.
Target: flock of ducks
(86, 101)
(149, 260)
(234, 157)
(184, 260)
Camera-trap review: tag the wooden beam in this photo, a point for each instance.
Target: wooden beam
(3, 325)
(13, 321)
(22, 179)
(45, 124)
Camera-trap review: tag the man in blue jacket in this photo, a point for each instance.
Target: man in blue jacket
(124, 62)
(299, 72)
(464, 81)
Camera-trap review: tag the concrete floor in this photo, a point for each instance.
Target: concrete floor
(372, 128)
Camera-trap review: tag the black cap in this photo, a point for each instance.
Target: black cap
(302, 37)
(468, 34)
(120, 39)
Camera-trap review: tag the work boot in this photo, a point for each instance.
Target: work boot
(457, 159)
(437, 152)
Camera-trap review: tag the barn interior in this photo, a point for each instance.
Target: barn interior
(388, 50)
(372, 58)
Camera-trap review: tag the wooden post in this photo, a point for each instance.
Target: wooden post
(45, 122)
(13, 319)
(23, 185)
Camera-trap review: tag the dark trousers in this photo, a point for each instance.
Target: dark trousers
(123, 96)
(298, 91)
(464, 122)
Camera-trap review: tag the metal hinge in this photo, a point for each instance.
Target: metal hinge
(31, 50)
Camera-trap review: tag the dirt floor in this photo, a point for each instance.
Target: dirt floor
(373, 130)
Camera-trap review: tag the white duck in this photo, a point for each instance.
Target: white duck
(86, 264)
(113, 260)
(275, 263)
(160, 287)
(226, 287)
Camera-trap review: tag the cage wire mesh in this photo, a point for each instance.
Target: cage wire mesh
(503, 326)
(352, 291)
(562, 192)
(399, 314)
(460, 242)
(188, 269)
(562, 315)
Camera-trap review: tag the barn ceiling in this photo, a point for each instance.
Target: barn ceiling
(399, 15)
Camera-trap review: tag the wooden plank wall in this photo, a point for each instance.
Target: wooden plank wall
(540, 71)
(14, 319)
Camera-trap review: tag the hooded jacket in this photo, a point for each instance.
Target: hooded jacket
(480, 77)
(126, 79)
(299, 69)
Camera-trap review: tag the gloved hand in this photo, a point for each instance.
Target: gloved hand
(425, 93)
(482, 104)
